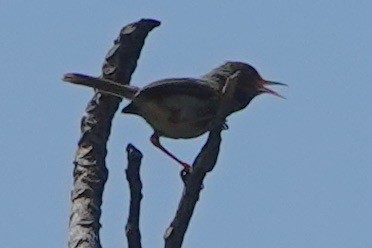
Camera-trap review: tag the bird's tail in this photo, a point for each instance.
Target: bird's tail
(104, 85)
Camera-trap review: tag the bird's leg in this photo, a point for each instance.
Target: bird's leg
(156, 142)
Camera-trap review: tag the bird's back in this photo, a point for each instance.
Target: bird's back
(177, 107)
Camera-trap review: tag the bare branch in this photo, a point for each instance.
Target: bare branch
(132, 230)
(90, 172)
(193, 184)
(204, 163)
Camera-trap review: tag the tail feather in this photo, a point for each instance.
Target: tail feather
(105, 85)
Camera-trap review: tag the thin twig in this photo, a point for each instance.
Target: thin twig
(132, 230)
(90, 172)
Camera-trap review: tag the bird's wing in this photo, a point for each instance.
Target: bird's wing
(178, 86)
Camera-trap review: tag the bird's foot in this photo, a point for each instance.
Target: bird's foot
(185, 173)
(186, 168)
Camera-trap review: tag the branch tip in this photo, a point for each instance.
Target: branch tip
(133, 151)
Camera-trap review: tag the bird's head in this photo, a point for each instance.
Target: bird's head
(249, 85)
(250, 81)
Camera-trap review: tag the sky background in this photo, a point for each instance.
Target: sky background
(291, 173)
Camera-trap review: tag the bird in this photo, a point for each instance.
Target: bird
(184, 108)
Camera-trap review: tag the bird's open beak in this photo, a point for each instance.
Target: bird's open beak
(263, 89)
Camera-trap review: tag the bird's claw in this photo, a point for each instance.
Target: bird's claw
(187, 169)
(185, 173)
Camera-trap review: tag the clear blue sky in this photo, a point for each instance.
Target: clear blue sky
(292, 173)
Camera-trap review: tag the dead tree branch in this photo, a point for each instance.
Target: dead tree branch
(204, 163)
(90, 172)
(132, 230)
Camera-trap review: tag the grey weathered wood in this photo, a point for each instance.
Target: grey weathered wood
(90, 172)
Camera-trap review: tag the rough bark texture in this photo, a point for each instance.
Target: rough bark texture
(132, 230)
(90, 172)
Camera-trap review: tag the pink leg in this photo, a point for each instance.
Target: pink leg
(155, 141)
